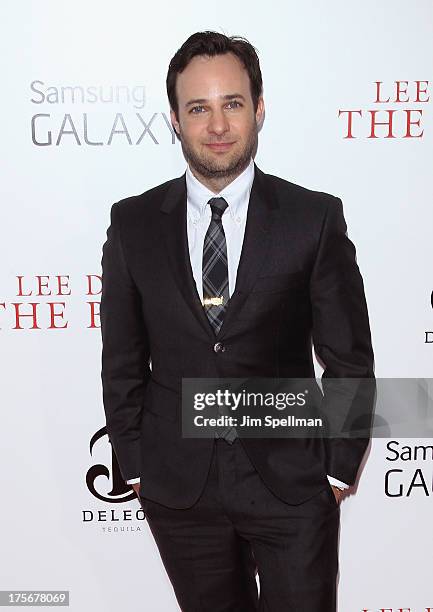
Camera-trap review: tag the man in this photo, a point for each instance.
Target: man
(230, 272)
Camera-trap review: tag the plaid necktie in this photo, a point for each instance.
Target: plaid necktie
(216, 285)
(215, 271)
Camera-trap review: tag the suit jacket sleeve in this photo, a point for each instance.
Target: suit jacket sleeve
(125, 352)
(341, 335)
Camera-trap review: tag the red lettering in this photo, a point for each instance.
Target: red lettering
(349, 120)
(20, 288)
(375, 123)
(62, 284)
(421, 91)
(378, 101)
(400, 91)
(90, 288)
(54, 314)
(94, 315)
(409, 123)
(41, 285)
(19, 315)
(4, 306)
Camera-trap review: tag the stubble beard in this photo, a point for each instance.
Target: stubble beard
(212, 168)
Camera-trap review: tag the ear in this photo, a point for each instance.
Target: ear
(174, 121)
(260, 110)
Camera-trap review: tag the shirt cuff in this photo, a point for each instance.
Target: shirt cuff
(133, 480)
(337, 483)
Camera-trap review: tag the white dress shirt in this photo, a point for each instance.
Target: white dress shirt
(237, 196)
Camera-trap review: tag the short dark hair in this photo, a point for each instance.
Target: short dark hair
(213, 43)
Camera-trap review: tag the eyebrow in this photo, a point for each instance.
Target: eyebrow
(204, 100)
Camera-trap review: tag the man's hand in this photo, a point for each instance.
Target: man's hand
(337, 492)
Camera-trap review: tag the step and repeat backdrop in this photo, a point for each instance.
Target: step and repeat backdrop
(85, 122)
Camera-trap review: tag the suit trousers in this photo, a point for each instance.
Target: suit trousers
(213, 550)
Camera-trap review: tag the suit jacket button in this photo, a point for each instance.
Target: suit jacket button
(219, 347)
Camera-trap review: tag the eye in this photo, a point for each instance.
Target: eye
(196, 108)
(233, 102)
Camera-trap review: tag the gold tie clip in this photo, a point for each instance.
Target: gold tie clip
(213, 301)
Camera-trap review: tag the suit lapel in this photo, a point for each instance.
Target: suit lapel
(257, 239)
(260, 216)
(176, 243)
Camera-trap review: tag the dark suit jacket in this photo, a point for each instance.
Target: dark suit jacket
(297, 282)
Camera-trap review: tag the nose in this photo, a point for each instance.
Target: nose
(218, 123)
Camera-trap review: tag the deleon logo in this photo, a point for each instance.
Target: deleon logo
(120, 491)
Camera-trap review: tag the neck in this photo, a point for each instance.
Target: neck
(217, 183)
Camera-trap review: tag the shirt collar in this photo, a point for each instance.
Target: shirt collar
(235, 193)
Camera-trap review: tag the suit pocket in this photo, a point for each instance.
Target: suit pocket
(331, 494)
(279, 282)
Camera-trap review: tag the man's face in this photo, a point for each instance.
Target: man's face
(216, 122)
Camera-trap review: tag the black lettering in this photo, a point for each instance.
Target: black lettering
(414, 484)
(387, 491)
(396, 453)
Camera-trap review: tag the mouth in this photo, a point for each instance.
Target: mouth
(219, 147)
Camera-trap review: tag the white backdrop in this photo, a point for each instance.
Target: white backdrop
(317, 59)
